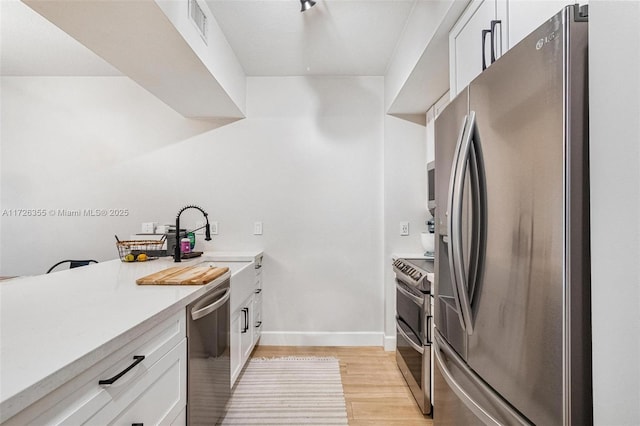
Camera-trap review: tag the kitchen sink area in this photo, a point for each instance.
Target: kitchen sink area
(149, 324)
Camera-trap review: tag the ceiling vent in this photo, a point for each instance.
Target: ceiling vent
(198, 18)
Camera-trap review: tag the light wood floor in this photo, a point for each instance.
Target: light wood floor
(374, 389)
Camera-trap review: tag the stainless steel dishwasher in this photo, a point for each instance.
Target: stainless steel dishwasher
(209, 367)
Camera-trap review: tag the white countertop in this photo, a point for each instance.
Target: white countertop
(52, 327)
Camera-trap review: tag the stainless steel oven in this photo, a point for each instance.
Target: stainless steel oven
(414, 328)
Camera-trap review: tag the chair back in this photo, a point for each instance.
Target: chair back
(72, 263)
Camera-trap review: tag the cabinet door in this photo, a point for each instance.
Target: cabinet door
(524, 16)
(165, 393)
(235, 345)
(465, 44)
(257, 315)
(257, 307)
(82, 398)
(246, 335)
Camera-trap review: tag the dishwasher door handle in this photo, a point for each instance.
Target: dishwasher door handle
(198, 312)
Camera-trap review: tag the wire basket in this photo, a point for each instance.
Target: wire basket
(140, 250)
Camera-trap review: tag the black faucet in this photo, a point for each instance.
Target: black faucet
(207, 231)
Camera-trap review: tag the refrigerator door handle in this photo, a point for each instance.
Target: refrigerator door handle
(478, 209)
(501, 409)
(449, 213)
(455, 220)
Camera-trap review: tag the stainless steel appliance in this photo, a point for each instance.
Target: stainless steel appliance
(414, 327)
(209, 368)
(512, 299)
(431, 187)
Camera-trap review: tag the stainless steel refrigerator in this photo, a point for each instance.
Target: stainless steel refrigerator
(512, 311)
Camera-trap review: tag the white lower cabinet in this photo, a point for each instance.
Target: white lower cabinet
(181, 418)
(246, 333)
(153, 391)
(246, 315)
(257, 303)
(257, 314)
(235, 349)
(157, 398)
(242, 341)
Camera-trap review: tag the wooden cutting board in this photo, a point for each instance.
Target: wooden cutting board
(183, 275)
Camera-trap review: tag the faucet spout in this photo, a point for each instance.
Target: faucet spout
(207, 235)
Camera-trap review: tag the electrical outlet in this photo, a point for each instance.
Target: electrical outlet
(257, 228)
(213, 226)
(404, 228)
(200, 224)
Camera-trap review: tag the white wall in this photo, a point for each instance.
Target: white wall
(404, 200)
(614, 62)
(307, 163)
(79, 143)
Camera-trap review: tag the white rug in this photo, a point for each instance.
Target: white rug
(288, 391)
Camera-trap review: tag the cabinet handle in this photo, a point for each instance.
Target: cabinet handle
(258, 291)
(137, 360)
(493, 38)
(258, 324)
(245, 311)
(137, 424)
(484, 44)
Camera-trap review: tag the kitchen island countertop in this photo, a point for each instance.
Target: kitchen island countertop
(54, 326)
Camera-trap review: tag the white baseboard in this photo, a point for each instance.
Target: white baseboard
(301, 338)
(390, 343)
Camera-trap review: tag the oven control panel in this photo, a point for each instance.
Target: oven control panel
(408, 270)
(411, 274)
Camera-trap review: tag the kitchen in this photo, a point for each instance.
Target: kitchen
(321, 165)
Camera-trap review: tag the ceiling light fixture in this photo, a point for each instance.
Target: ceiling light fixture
(306, 5)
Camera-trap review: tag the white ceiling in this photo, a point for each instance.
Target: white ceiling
(269, 37)
(335, 37)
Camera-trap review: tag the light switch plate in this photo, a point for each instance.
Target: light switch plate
(257, 228)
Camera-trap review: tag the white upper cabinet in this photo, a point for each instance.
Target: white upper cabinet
(524, 16)
(487, 29)
(471, 42)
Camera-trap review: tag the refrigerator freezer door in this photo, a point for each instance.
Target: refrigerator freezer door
(517, 343)
(462, 397)
(448, 131)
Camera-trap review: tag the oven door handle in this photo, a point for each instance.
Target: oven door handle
(415, 299)
(413, 344)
